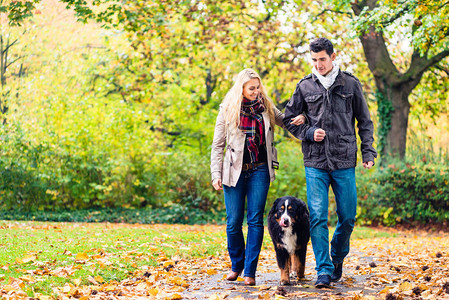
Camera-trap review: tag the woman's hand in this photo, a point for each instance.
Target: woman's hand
(298, 120)
(217, 184)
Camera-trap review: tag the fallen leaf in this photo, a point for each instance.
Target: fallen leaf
(82, 256)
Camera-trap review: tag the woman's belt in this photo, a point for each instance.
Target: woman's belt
(251, 166)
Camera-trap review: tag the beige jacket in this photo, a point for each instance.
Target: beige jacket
(229, 166)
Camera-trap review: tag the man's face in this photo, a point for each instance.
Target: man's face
(322, 61)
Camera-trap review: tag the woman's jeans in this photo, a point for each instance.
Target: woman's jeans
(344, 188)
(253, 184)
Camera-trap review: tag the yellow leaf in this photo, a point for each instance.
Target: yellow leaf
(154, 292)
(27, 278)
(264, 296)
(28, 258)
(161, 258)
(211, 272)
(99, 279)
(405, 286)
(168, 263)
(175, 297)
(82, 256)
(44, 297)
(77, 281)
(214, 297)
(110, 288)
(92, 280)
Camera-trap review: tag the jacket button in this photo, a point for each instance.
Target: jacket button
(269, 128)
(231, 164)
(232, 150)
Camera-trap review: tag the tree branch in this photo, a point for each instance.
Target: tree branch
(442, 69)
(350, 15)
(420, 64)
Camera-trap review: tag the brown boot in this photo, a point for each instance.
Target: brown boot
(232, 276)
(250, 281)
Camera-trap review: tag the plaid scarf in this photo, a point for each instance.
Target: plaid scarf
(251, 124)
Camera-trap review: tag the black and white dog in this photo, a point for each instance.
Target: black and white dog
(288, 224)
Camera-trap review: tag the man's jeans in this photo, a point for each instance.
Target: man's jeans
(344, 188)
(253, 184)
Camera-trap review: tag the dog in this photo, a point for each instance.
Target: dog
(289, 228)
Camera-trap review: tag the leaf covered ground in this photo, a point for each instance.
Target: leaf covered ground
(119, 261)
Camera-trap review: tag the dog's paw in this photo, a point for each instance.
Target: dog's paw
(285, 282)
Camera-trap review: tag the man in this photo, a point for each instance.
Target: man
(332, 100)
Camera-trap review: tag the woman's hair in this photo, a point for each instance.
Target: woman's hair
(233, 100)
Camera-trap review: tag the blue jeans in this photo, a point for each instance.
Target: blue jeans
(344, 188)
(253, 184)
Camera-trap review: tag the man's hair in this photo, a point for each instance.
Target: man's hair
(321, 44)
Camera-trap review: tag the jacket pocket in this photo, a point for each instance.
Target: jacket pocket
(347, 147)
(315, 104)
(342, 102)
(230, 157)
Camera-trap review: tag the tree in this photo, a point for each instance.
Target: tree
(7, 60)
(425, 24)
(185, 54)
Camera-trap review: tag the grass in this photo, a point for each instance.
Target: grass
(72, 252)
(56, 254)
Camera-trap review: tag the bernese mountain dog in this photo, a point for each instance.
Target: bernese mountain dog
(288, 225)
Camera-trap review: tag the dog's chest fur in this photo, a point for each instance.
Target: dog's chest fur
(289, 239)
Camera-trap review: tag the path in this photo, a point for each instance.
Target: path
(408, 267)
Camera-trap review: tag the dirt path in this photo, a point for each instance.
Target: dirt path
(409, 267)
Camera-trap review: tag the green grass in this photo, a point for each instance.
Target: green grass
(114, 251)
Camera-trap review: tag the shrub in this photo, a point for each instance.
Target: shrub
(404, 193)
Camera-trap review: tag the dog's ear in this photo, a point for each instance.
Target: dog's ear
(274, 206)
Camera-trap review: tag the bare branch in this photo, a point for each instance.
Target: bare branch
(350, 15)
(446, 70)
(10, 63)
(9, 45)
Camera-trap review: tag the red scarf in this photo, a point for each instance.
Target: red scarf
(251, 124)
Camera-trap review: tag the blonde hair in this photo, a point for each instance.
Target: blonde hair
(233, 100)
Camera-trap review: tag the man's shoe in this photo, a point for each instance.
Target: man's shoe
(338, 271)
(323, 281)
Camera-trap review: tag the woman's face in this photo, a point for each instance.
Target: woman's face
(251, 89)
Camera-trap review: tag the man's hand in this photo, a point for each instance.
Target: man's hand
(217, 184)
(319, 135)
(298, 120)
(368, 165)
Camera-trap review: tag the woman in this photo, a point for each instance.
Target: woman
(245, 127)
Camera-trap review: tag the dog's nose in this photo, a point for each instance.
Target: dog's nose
(284, 222)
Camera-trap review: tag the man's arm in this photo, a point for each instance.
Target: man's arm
(295, 107)
(365, 126)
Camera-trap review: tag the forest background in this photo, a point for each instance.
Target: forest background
(108, 110)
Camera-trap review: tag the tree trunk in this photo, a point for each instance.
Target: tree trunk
(396, 136)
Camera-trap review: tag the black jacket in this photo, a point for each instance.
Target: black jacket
(334, 110)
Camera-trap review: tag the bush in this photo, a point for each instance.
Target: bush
(290, 178)
(175, 214)
(404, 193)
